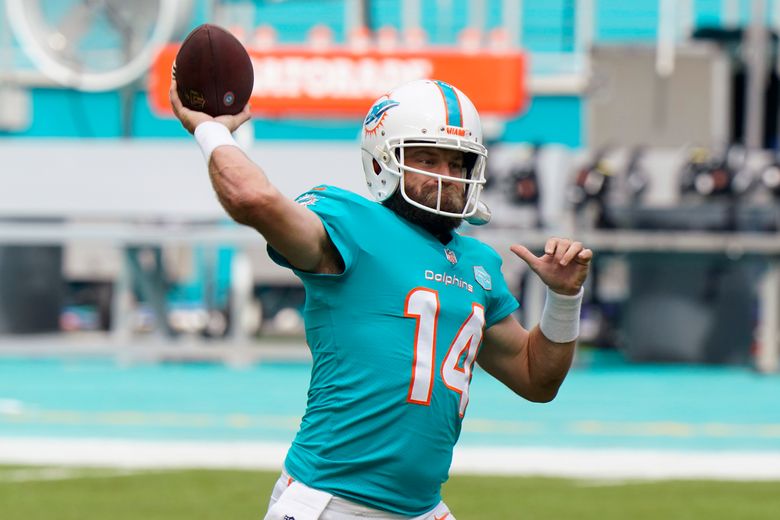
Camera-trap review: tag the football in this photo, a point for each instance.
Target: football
(213, 71)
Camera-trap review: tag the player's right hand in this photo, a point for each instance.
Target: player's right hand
(190, 119)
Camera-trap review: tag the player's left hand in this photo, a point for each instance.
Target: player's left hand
(563, 267)
(190, 119)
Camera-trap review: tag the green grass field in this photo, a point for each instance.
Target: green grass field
(90, 494)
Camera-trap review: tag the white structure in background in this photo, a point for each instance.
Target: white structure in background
(58, 52)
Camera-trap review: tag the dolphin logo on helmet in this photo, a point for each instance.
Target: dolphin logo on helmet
(377, 113)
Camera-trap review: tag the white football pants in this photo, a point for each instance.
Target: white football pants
(291, 500)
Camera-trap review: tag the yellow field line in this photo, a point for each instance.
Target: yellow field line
(288, 423)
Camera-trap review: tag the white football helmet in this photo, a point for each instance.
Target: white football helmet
(423, 113)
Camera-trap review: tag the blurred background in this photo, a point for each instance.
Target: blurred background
(646, 129)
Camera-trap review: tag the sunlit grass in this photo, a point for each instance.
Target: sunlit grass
(87, 494)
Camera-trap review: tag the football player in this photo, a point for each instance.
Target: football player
(399, 305)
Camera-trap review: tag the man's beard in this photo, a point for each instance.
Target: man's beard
(453, 200)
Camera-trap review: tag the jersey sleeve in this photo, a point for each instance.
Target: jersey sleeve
(335, 213)
(501, 302)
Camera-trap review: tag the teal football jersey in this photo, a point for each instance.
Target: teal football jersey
(393, 339)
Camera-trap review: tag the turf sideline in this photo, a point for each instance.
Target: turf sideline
(557, 462)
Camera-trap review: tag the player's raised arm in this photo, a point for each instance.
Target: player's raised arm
(534, 363)
(249, 197)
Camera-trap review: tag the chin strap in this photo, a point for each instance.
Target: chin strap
(481, 216)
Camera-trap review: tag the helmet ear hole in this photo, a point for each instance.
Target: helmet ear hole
(377, 168)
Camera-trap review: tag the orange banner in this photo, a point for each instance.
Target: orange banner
(302, 82)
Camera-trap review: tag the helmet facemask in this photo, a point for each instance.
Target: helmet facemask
(471, 180)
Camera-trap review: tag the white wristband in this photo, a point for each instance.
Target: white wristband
(560, 321)
(210, 135)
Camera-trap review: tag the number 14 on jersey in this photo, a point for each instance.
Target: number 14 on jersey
(422, 304)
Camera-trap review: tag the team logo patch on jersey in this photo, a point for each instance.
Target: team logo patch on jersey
(377, 115)
(307, 199)
(450, 254)
(482, 277)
